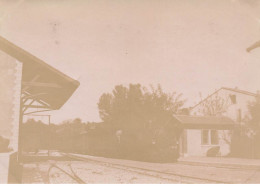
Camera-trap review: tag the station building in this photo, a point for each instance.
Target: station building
(28, 85)
(212, 121)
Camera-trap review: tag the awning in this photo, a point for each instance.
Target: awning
(41, 83)
(204, 122)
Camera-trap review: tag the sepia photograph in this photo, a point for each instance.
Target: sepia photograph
(129, 92)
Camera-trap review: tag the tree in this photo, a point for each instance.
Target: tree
(253, 120)
(34, 135)
(69, 134)
(253, 126)
(215, 105)
(142, 114)
(135, 106)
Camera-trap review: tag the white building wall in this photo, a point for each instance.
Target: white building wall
(242, 105)
(196, 148)
(230, 110)
(10, 86)
(16, 106)
(193, 142)
(236, 111)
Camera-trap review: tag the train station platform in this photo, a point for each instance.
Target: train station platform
(42, 155)
(191, 169)
(221, 169)
(229, 162)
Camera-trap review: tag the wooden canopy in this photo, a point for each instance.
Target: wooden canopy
(41, 83)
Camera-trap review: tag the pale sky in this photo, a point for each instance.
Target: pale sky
(188, 46)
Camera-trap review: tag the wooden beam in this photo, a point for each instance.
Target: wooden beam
(33, 96)
(25, 107)
(33, 80)
(26, 94)
(41, 84)
(35, 106)
(43, 103)
(38, 111)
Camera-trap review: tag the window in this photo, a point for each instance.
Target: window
(209, 137)
(233, 99)
(214, 137)
(205, 137)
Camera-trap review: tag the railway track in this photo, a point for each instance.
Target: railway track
(171, 177)
(70, 174)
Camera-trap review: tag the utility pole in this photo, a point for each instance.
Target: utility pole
(253, 46)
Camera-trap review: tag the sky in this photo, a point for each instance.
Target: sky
(190, 46)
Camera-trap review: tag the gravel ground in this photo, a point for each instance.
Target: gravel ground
(227, 175)
(90, 173)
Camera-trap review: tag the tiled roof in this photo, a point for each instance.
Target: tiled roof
(240, 91)
(225, 88)
(220, 122)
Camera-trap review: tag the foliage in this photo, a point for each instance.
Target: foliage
(246, 139)
(34, 135)
(37, 135)
(253, 121)
(136, 124)
(143, 115)
(253, 127)
(215, 105)
(136, 105)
